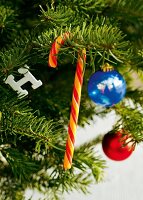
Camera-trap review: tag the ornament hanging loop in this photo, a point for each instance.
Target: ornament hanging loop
(106, 67)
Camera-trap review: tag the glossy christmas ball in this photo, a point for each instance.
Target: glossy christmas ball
(117, 146)
(106, 88)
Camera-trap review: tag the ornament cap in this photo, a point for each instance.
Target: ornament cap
(107, 67)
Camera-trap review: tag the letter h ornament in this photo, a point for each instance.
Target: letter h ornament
(28, 77)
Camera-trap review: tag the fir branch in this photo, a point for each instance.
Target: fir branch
(7, 18)
(137, 60)
(107, 41)
(135, 96)
(110, 38)
(131, 120)
(8, 25)
(87, 7)
(57, 182)
(128, 10)
(22, 166)
(56, 18)
(10, 189)
(18, 120)
(85, 158)
(11, 59)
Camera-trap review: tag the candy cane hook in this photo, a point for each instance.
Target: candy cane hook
(76, 96)
(60, 40)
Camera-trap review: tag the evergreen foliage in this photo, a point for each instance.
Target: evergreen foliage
(33, 129)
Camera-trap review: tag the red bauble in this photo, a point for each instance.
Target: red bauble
(114, 145)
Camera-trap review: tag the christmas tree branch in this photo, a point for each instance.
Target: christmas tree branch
(22, 122)
(131, 120)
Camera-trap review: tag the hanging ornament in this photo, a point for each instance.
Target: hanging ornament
(76, 96)
(106, 87)
(117, 146)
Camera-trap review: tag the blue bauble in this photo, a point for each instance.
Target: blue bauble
(106, 88)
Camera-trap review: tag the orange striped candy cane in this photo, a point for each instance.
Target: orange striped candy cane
(76, 96)
(55, 49)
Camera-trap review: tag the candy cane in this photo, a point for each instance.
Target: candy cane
(76, 96)
(55, 49)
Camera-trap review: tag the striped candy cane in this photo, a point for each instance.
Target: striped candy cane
(76, 96)
(55, 49)
(74, 110)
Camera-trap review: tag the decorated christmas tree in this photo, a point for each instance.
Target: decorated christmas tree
(61, 63)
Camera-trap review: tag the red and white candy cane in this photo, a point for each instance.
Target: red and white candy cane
(76, 96)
